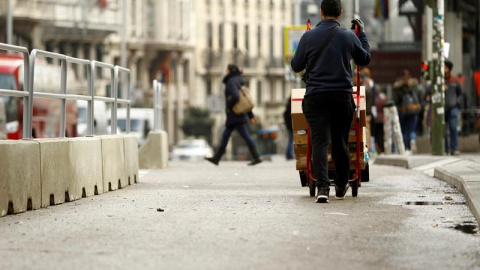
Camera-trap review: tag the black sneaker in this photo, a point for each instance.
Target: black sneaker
(341, 192)
(322, 194)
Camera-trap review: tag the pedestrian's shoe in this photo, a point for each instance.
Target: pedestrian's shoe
(322, 194)
(254, 162)
(216, 158)
(255, 156)
(341, 192)
(413, 146)
(455, 153)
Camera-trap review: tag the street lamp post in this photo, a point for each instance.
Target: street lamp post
(9, 22)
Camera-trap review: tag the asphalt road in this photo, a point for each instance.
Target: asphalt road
(239, 217)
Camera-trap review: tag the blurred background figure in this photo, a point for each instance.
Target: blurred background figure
(407, 99)
(380, 100)
(371, 111)
(453, 95)
(289, 155)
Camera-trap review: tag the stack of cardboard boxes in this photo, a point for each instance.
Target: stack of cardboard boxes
(300, 126)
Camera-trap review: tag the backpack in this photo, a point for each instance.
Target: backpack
(245, 101)
(410, 103)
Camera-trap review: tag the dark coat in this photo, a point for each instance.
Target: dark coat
(332, 71)
(233, 83)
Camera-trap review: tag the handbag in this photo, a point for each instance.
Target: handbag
(245, 101)
(306, 74)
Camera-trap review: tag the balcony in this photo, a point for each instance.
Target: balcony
(212, 59)
(68, 17)
(275, 67)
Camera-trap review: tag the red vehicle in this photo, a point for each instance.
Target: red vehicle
(46, 112)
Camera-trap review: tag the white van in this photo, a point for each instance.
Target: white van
(141, 122)
(101, 118)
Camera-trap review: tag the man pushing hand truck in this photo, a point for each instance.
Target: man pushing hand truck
(325, 52)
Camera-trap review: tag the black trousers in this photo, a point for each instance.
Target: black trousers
(330, 116)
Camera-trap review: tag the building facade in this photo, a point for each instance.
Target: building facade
(248, 33)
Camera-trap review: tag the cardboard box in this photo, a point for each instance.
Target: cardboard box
(331, 166)
(298, 118)
(362, 118)
(299, 122)
(301, 150)
(363, 103)
(300, 139)
(301, 162)
(298, 93)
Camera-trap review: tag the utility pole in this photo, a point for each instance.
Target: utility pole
(9, 22)
(123, 50)
(438, 79)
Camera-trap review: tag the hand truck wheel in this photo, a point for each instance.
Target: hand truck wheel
(311, 186)
(354, 186)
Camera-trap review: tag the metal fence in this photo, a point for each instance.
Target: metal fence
(157, 106)
(29, 94)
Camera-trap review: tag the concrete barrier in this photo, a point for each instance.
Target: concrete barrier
(20, 187)
(131, 158)
(43, 172)
(154, 153)
(56, 172)
(86, 158)
(113, 160)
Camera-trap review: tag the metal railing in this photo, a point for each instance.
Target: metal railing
(157, 106)
(29, 92)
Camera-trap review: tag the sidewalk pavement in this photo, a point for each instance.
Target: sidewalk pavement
(462, 171)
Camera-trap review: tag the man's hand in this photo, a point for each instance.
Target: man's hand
(254, 120)
(361, 26)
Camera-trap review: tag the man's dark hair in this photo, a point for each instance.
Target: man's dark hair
(331, 8)
(449, 64)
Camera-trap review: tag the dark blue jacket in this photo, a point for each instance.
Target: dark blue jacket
(332, 71)
(233, 83)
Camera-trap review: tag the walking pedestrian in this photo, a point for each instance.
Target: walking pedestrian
(233, 82)
(370, 110)
(287, 117)
(453, 95)
(380, 101)
(407, 98)
(328, 102)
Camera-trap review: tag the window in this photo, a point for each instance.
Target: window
(186, 71)
(99, 57)
(139, 70)
(272, 91)
(259, 40)
(220, 36)
(209, 86)
(133, 23)
(210, 35)
(247, 38)
(235, 36)
(259, 92)
(271, 34)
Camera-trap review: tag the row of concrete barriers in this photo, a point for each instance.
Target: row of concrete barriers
(43, 172)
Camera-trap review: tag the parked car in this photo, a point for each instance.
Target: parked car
(141, 122)
(191, 150)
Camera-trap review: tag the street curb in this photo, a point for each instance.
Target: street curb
(397, 161)
(459, 183)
